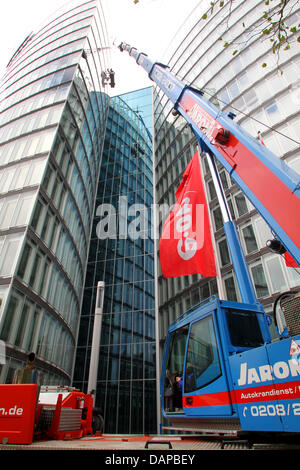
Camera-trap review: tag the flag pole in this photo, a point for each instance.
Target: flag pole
(220, 285)
(246, 287)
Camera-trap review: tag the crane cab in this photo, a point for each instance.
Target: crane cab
(216, 354)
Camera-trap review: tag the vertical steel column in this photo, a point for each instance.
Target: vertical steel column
(94, 361)
(221, 290)
(246, 287)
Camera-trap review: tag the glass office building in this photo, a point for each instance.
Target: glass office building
(263, 98)
(122, 255)
(52, 124)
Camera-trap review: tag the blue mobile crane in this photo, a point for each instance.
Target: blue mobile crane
(234, 377)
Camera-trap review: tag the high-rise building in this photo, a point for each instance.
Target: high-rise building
(262, 90)
(67, 152)
(122, 255)
(53, 117)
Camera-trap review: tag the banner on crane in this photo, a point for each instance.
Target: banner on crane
(185, 246)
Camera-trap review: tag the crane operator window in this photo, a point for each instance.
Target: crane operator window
(174, 370)
(176, 353)
(244, 329)
(203, 364)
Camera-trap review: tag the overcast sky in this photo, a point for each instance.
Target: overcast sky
(148, 25)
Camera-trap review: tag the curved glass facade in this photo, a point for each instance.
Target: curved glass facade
(52, 123)
(263, 99)
(122, 255)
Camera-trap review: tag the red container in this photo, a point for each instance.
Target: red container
(17, 413)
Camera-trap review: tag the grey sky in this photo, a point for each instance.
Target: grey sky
(148, 25)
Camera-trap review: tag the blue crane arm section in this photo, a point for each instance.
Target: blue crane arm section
(268, 182)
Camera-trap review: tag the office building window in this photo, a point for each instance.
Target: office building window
(230, 288)
(259, 280)
(224, 252)
(241, 204)
(249, 238)
(278, 280)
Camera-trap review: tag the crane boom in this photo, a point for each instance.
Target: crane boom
(268, 182)
(243, 381)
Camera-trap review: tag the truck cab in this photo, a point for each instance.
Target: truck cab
(218, 371)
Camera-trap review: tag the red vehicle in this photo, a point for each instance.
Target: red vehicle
(29, 412)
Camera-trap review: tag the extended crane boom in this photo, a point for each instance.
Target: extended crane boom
(269, 183)
(233, 376)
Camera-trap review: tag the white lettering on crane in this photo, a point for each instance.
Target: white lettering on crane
(203, 121)
(264, 373)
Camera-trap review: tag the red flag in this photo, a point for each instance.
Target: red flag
(185, 245)
(289, 261)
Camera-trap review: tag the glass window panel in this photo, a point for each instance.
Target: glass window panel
(6, 180)
(259, 280)
(244, 328)
(278, 281)
(24, 260)
(9, 318)
(32, 331)
(8, 254)
(223, 178)
(230, 288)
(234, 89)
(22, 325)
(31, 149)
(176, 352)
(204, 290)
(224, 252)
(223, 97)
(249, 238)
(272, 112)
(149, 362)
(241, 204)
(294, 163)
(243, 80)
(273, 144)
(231, 208)
(287, 138)
(24, 213)
(294, 276)
(35, 271)
(276, 83)
(46, 140)
(212, 190)
(237, 65)
(22, 172)
(263, 232)
(7, 214)
(37, 172)
(36, 215)
(125, 363)
(43, 280)
(137, 361)
(250, 98)
(3, 294)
